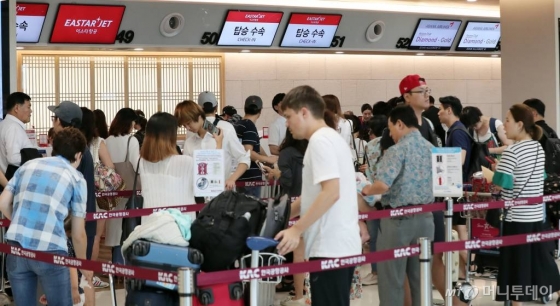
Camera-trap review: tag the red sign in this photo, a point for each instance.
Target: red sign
(246, 16)
(32, 9)
(315, 19)
(87, 24)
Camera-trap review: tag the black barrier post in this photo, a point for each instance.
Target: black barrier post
(186, 286)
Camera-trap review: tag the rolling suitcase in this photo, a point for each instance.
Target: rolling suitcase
(151, 297)
(163, 257)
(220, 295)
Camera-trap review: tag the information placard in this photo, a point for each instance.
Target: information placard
(208, 173)
(447, 172)
(480, 36)
(30, 18)
(87, 24)
(432, 34)
(249, 28)
(310, 30)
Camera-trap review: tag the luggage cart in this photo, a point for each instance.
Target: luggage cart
(262, 291)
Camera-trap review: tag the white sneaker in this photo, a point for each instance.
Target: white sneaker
(300, 302)
(370, 279)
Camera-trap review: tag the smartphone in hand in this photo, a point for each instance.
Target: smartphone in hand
(210, 127)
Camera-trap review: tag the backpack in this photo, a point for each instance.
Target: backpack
(221, 229)
(551, 147)
(479, 153)
(433, 137)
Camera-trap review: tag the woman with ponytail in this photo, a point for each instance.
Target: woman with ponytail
(520, 174)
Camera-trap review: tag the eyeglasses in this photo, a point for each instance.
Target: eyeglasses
(423, 91)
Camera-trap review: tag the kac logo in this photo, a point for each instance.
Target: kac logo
(330, 264)
(101, 215)
(397, 212)
(165, 277)
(58, 260)
(15, 251)
(249, 274)
(402, 252)
(472, 244)
(108, 268)
(533, 238)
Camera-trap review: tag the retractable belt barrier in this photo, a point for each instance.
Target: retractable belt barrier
(228, 276)
(235, 275)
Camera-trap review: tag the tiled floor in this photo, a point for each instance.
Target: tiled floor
(369, 295)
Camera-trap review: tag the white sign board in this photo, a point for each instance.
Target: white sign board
(208, 173)
(447, 172)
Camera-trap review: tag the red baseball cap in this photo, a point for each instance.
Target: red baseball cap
(409, 82)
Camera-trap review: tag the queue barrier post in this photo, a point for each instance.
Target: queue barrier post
(425, 271)
(448, 255)
(186, 286)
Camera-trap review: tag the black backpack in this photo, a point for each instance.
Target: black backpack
(221, 229)
(551, 147)
(479, 153)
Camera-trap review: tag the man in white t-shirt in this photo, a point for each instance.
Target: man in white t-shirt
(207, 100)
(328, 204)
(277, 131)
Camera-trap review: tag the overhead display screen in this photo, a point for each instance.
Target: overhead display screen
(30, 18)
(249, 28)
(87, 24)
(432, 34)
(480, 36)
(310, 30)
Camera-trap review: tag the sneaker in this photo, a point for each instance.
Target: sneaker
(370, 279)
(290, 302)
(98, 283)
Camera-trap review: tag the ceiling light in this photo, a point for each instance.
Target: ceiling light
(471, 0)
(245, 51)
(419, 54)
(339, 52)
(20, 48)
(495, 55)
(138, 49)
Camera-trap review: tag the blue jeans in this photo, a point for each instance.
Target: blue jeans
(373, 230)
(24, 274)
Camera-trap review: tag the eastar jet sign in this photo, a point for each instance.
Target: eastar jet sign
(89, 24)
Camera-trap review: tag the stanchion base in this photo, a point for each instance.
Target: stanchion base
(437, 302)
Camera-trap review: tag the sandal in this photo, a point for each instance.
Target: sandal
(472, 270)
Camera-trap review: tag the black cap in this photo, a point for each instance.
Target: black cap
(229, 110)
(254, 100)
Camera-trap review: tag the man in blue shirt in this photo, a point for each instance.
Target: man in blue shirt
(449, 110)
(44, 192)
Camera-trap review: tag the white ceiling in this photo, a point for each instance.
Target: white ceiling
(481, 8)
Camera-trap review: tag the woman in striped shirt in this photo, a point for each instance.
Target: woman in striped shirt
(525, 271)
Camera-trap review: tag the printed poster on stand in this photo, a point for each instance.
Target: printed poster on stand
(208, 173)
(447, 172)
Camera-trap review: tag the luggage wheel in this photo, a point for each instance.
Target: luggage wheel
(546, 299)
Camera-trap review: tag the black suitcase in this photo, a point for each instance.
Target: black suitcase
(151, 297)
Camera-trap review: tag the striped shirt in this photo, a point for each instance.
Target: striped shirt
(248, 135)
(520, 173)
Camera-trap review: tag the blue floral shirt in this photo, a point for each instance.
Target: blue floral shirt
(373, 152)
(406, 168)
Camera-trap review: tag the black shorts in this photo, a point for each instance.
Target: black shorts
(439, 226)
(458, 219)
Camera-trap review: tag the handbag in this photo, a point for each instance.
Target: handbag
(496, 217)
(106, 179)
(134, 202)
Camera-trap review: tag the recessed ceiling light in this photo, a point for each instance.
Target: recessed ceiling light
(138, 49)
(419, 54)
(20, 48)
(495, 55)
(339, 52)
(471, 0)
(245, 51)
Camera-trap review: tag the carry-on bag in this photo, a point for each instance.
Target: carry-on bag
(151, 296)
(220, 295)
(162, 257)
